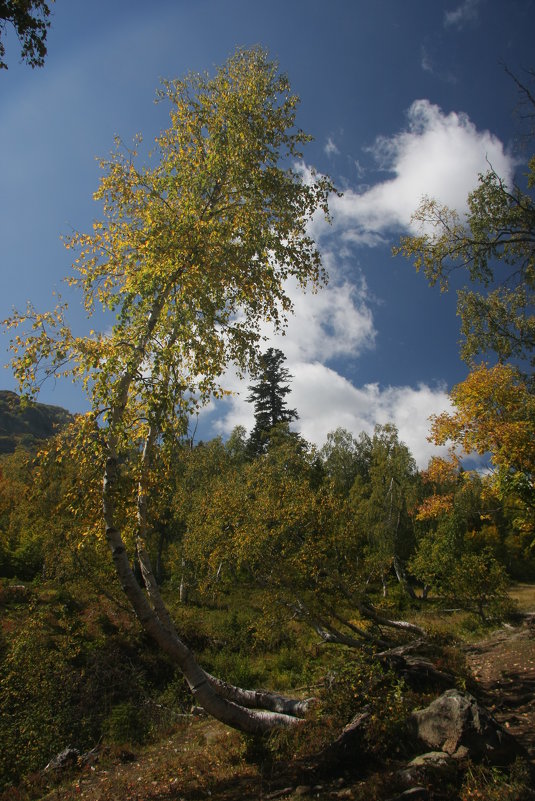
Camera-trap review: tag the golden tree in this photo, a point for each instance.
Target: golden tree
(191, 254)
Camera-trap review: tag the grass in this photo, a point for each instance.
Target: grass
(524, 596)
(193, 758)
(198, 759)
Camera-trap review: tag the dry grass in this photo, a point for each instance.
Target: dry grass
(524, 595)
(201, 759)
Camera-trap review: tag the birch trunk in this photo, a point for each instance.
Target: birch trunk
(214, 697)
(203, 689)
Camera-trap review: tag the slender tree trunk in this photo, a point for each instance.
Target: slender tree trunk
(163, 632)
(159, 565)
(183, 589)
(154, 616)
(402, 577)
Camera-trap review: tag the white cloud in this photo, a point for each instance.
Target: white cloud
(439, 155)
(465, 13)
(426, 62)
(326, 400)
(335, 323)
(360, 170)
(428, 65)
(330, 148)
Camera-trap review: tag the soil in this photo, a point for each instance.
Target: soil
(197, 762)
(504, 671)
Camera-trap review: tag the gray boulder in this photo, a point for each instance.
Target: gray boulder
(434, 767)
(457, 725)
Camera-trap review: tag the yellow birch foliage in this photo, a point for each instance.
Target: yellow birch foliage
(191, 253)
(495, 414)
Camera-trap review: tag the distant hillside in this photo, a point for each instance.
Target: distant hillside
(25, 426)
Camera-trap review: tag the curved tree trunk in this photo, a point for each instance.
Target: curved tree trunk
(245, 710)
(404, 625)
(203, 689)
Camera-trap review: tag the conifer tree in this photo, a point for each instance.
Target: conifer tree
(269, 397)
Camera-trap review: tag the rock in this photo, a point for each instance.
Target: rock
(280, 793)
(456, 724)
(431, 759)
(435, 766)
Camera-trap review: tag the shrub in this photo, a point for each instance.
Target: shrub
(126, 723)
(482, 783)
(356, 683)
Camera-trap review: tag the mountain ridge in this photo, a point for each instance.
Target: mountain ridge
(26, 424)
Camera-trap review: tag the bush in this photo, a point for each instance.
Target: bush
(361, 683)
(63, 684)
(126, 724)
(479, 582)
(356, 683)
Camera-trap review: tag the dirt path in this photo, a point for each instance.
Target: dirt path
(504, 667)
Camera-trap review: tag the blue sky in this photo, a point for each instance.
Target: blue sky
(403, 98)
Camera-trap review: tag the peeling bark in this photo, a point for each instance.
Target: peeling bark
(245, 710)
(404, 625)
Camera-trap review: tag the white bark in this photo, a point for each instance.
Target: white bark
(214, 697)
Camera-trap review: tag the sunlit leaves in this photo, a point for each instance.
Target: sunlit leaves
(191, 252)
(494, 412)
(495, 246)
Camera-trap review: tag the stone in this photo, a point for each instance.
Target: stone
(434, 766)
(414, 794)
(432, 758)
(455, 723)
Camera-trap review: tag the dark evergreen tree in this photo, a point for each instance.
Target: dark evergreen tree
(269, 397)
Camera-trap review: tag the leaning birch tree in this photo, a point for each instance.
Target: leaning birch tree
(191, 253)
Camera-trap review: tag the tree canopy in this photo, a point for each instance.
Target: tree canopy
(30, 19)
(191, 254)
(495, 245)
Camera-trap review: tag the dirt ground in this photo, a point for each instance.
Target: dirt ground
(504, 667)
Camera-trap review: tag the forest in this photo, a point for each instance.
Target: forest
(309, 598)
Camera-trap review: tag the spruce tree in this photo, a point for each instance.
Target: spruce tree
(269, 397)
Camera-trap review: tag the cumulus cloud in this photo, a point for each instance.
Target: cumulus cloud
(439, 155)
(326, 400)
(466, 13)
(323, 396)
(337, 324)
